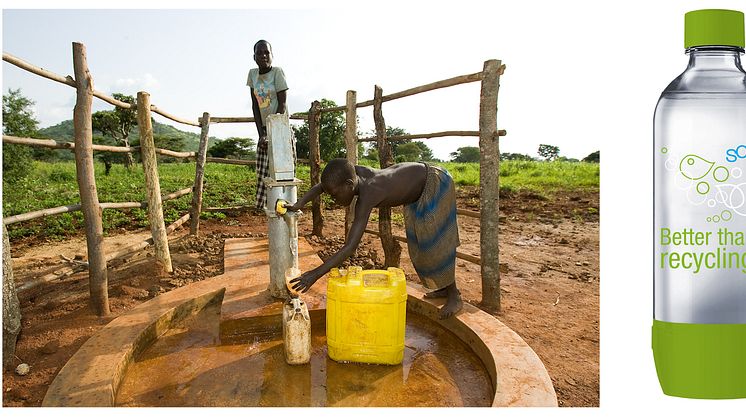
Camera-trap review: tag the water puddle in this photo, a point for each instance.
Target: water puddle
(189, 366)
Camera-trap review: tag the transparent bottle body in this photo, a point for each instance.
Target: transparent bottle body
(700, 193)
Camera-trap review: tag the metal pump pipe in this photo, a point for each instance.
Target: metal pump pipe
(281, 184)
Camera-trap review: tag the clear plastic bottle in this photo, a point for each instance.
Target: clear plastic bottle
(699, 327)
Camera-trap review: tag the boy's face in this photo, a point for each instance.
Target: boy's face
(263, 56)
(341, 194)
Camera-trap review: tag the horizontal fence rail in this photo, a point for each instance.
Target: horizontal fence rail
(241, 119)
(454, 81)
(500, 133)
(70, 81)
(76, 207)
(47, 143)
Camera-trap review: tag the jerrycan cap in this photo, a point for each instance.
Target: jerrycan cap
(713, 27)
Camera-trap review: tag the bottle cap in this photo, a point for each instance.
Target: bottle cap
(713, 27)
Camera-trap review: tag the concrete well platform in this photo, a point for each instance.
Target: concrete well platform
(94, 374)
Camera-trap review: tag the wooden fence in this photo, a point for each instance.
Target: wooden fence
(83, 148)
(489, 162)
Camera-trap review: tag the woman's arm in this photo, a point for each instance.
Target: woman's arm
(258, 121)
(281, 100)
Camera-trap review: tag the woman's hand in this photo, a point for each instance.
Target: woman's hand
(262, 144)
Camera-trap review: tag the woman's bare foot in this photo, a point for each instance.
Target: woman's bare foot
(453, 303)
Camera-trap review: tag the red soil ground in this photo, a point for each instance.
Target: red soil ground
(549, 254)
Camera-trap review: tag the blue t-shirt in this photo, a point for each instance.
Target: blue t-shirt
(265, 88)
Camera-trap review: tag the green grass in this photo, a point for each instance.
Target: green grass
(54, 184)
(535, 176)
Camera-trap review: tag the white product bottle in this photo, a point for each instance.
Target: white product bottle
(699, 327)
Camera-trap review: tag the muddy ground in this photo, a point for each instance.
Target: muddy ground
(549, 255)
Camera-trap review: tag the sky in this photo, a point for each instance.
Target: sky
(581, 75)
(195, 61)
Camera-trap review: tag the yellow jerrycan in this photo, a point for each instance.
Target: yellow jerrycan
(365, 315)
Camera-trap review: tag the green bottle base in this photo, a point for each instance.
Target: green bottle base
(700, 361)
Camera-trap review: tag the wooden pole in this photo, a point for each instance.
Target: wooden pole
(489, 184)
(199, 176)
(150, 167)
(501, 133)
(94, 231)
(314, 128)
(104, 205)
(11, 307)
(29, 285)
(173, 118)
(351, 146)
(33, 142)
(468, 78)
(241, 119)
(391, 248)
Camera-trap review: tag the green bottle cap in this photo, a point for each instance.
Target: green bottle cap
(713, 27)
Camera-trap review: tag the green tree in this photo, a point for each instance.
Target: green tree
(117, 124)
(426, 154)
(19, 121)
(234, 148)
(515, 156)
(594, 157)
(465, 155)
(414, 151)
(408, 152)
(331, 134)
(549, 152)
(390, 132)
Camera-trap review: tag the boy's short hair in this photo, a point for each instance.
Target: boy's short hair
(337, 172)
(262, 41)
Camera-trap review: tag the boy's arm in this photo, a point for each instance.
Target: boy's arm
(312, 193)
(258, 121)
(362, 212)
(281, 100)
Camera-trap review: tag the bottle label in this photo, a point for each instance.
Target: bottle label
(700, 235)
(706, 244)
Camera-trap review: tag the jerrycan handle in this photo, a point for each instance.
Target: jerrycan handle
(389, 278)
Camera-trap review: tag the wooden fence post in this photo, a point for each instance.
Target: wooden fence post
(489, 184)
(94, 230)
(11, 306)
(199, 175)
(391, 247)
(351, 146)
(314, 151)
(150, 167)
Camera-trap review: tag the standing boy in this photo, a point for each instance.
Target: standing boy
(429, 198)
(268, 96)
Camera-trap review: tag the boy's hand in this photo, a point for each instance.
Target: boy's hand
(304, 282)
(291, 207)
(262, 144)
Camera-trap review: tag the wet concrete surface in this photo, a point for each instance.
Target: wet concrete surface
(190, 366)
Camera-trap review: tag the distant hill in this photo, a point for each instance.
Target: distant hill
(64, 132)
